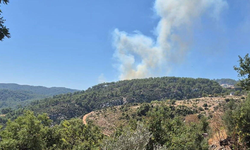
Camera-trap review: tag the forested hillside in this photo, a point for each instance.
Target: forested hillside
(226, 81)
(9, 98)
(40, 90)
(13, 95)
(67, 106)
(160, 127)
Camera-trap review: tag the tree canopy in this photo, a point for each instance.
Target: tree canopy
(37, 132)
(4, 31)
(244, 72)
(237, 117)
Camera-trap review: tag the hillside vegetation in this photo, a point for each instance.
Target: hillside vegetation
(14, 95)
(68, 106)
(39, 90)
(153, 127)
(226, 81)
(159, 125)
(9, 98)
(109, 119)
(153, 114)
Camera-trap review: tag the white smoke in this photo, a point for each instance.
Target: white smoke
(102, 79)
(140, 56)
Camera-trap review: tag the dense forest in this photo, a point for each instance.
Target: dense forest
(39, 90)
(9, 98)
(66, 106)
(14, 95)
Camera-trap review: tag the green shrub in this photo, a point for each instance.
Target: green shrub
(201, 109)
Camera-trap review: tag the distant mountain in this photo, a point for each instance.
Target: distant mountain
(226, 81)
(9, 98)
(40, 90)
(12, 95)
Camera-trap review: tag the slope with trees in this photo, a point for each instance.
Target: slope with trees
(39, 90)
(151, 127)
(161, 127)
(36, 132)
(237, 117)
(12, 99)
(226, 81)
(68, 106)
(13, 95)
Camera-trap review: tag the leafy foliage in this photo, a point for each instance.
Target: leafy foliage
(244, 72)
(137, 139)
(168, 129)
(161, 127)
(237, 116)
(237, 119)
(75, 135)
(26, 132)
(4, 31)
(36, 133)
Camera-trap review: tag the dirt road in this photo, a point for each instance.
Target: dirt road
(84, 119)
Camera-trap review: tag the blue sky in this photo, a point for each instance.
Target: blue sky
(72, 44)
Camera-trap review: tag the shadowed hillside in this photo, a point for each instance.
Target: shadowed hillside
(40, 90)
(13, 95)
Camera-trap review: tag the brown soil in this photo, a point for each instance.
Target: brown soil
(109, 119)
(85, 117)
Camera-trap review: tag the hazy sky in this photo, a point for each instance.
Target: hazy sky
(78, 44)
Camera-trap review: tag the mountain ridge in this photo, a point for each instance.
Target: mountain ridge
(13, 95)
(35, 89)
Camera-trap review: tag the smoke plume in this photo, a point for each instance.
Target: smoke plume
(140, 56)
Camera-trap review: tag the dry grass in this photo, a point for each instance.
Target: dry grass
(212, 102)
(191, 118)
(109, 119)
(218, 130)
